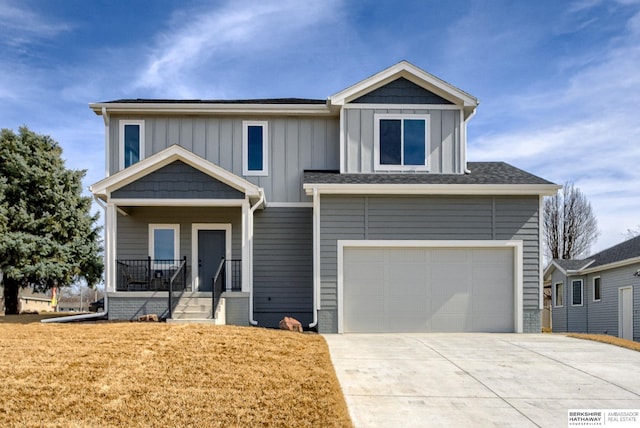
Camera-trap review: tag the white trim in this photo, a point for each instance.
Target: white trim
(107, 156)
(411, 73)
(140, 202)
(289, 204)
(110, 245)
(431, 189)
(363, 106)
(176, 239)
(620, 311)
(104, 187)
(195, 228)
(245, 148)
(611, 265)
(540, 253)
(593, 286)
(215, 108)
(554, 294)
(581, 292)
(516, 245)
(122, 124)
(376, 142)
(343, 131)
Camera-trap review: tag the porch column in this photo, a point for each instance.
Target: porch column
(247, 247)
(110, 228)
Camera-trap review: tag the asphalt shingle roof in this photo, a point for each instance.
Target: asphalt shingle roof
(481, 173)
(628, 249)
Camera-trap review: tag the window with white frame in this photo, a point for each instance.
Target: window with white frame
(558, 294)
(596, 289)
(164, 243)
(576, 292)
(401, 142)
(131, 142)
(255, 144)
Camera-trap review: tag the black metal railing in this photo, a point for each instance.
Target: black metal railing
(147, 274)
(234, 268)
(176, 286)
(217, 287)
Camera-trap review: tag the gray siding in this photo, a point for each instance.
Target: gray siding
(295, 144)
(133, 230)
(178, 181)
(401, 91)
(430, 218)
(598, 317)
(444, 147)
(283, 265)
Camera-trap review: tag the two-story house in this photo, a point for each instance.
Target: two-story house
(357, 213)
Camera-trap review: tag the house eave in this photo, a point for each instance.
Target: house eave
(215, 108)
(431, 189)
(620, 263)
(103, 188)
(415, 75)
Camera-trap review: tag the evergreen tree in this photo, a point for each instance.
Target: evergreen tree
(48, 236)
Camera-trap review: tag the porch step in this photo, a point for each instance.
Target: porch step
(196, 308)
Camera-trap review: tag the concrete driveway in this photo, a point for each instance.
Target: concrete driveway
(478, 380)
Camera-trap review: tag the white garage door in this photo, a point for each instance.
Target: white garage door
(428, 289)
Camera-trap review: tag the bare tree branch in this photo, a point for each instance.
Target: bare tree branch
(570, 226)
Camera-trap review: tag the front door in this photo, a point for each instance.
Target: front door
(211, 250)
(626, 313)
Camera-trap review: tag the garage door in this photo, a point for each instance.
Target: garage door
(428, 289)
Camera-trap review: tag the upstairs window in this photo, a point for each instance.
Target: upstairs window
(131, 142)
(401, 142)
(255, 137)
(576, 292)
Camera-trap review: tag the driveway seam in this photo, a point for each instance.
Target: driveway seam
(476, 379)
(572, 367)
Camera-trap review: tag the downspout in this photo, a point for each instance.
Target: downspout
(316, 256)
(250, 220)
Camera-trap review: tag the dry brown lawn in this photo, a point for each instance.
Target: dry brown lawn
(155, 374)
(605, 338)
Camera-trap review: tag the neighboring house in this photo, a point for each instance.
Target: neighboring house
(32, 302)
(598, 294)
(356, 213)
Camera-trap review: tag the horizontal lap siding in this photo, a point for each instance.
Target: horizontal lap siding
(428, 218)
(283, 265)
(599, 317)
(517, 218)
(133, 230)
(295, 144)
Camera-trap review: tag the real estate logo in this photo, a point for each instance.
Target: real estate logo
(601, 417)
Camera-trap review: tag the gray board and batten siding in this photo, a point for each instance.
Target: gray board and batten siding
(177, 181)
(429, 218)
(295, 144)
(283, 265)
(597, 317)
(444, 138)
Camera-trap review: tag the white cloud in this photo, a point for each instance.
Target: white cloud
(209, 39)
(19, 25)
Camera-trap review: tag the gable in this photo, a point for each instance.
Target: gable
(401, 91)
(177, 180)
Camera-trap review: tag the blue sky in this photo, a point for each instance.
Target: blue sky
(558, 81)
